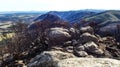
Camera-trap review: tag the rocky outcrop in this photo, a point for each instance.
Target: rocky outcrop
(87, 37)
(59, 44)
(89, 62)
(49, 58)
(89, 48)
(58, 35)
(93, 48)
(87, 29)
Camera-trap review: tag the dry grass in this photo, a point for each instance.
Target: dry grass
(9, 35)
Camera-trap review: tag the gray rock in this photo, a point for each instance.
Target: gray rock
(56, 48)
(74, 31)
(58, 34)
(87, 37)
(49, 58)
(98, 51)
(90, 46)
(109, 41)
(93, 48)
(59, 28)
(74, 42)
(69, 49)
(68, 43)
(7, 57)
(88, 62)
(81, 54)
(80, 48)
(90, 56)
(87, 29)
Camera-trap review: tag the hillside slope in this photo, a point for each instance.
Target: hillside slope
(108, 21)
(104, 17)
(73, 16)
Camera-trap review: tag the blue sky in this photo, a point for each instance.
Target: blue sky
(59, 5)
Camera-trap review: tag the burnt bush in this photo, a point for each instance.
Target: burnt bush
(22, 45)
(26, 43)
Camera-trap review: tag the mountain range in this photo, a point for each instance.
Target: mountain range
(105, 21)
(73, 16)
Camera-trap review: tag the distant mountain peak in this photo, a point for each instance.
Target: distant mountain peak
(47, 17)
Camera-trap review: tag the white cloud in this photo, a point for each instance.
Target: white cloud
(20, 5)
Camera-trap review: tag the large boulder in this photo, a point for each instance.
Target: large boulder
(74, 32)
(69, 49)
(90, 48)
(87, 37)
(79, 48)
(88, 62)
(87, 29)
(93, 48)
(58, 35)
(81, 54)
(49, 58)
(109, 41)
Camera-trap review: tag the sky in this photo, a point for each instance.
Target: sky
(57, 5)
